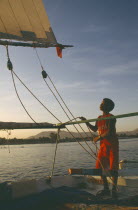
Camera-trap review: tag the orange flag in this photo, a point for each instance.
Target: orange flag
(59, 52)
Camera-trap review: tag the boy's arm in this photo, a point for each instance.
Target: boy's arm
(92, 127)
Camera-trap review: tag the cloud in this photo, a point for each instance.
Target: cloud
(87, 86)
(87, 51)
(125, 68)
(94, 28)
(100, 86)
(8, 98)
(76, 84)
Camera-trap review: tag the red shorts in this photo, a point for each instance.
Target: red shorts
(108, 157)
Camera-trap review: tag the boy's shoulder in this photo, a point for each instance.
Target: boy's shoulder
(107, 115)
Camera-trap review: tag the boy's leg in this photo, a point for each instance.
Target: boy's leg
(114, 186)
(114, 163)
(105, 191)
(103, 163)
(115, 179)
(105, 183)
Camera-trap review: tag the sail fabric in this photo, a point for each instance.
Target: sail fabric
(25, 20)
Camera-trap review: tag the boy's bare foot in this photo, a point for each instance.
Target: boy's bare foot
(103, 193)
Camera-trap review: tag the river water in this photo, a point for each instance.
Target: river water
(35, 160)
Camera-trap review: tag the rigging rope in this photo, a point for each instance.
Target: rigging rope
(36, 97)
(93, 141)
(9, 64)
(45, 75)
(68, 116)
(49, 111)
(103, 118)
(57, 140)
(10, 67)
(67, 107)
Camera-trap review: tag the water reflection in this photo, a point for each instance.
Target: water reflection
(35, 161)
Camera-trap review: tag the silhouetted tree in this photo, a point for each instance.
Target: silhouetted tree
(53, 136)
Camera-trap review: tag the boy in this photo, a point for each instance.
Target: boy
(108, 154)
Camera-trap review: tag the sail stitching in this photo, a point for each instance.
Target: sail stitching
(14, 16)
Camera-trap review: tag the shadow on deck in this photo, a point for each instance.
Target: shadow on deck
(63, 198)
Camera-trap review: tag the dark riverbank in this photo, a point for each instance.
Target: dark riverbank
(44, 140)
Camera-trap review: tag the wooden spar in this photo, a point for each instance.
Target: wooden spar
(98, 119)
(90, 171)
(15, 125)
(35, 45)
(80, 171)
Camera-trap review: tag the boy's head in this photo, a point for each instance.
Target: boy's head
(107, 105)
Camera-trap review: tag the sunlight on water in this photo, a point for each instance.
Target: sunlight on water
(35, 161)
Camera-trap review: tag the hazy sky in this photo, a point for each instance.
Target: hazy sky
(102, 64)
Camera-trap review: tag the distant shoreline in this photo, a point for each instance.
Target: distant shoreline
(46, 140)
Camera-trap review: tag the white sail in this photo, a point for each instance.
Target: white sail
(25, 20)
